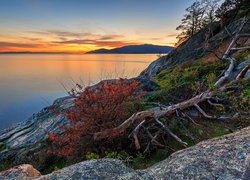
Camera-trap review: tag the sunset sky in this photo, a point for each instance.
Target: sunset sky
(77, 26)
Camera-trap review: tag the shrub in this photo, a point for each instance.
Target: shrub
(95, 109)
(91, 156)
(182, 82)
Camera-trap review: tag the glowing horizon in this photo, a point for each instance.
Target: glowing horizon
(81, 26)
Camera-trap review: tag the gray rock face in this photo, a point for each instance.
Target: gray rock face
(27, 134)
(223, 158)
(95, 169)
(219, 158)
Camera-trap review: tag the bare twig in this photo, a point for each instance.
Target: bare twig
(167, 130)
(209, 116)
(240, 48)
(135, 133)
(203, 112)
(214, 104)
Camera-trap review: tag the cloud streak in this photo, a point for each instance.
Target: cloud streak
(110, 43)
(68, 34)
(19, 45)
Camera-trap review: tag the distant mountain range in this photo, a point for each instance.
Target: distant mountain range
(135, 49)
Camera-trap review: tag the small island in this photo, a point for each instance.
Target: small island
(135, 49)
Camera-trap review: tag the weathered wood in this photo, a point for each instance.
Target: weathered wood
(214, 104)
(168, 131)
(203, 112)
(135, 135)
(231, 47)
(240, 48)
(226, 74)
(149, 115)
(243, 72)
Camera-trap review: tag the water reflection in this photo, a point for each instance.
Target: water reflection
(30, 82)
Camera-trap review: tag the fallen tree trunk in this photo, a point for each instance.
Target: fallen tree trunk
(149, 115)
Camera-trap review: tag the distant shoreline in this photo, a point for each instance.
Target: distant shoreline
(2, 53)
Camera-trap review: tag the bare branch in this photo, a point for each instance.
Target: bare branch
(227, 73)
(203, 112)
(214, 104)
(154, 103)
(243, 72)
(170, 132)
(187, 116)
(209, 116)
(153, 138)
(151, 114)
(135, 133)
(241, 48)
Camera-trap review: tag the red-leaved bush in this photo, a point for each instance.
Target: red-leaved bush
(95, 109)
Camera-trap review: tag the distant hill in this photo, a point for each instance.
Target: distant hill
(135, 49)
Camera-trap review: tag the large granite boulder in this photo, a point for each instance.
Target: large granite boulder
(21, 172)
(224, 158)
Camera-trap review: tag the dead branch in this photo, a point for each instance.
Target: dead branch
(185, 115)
(209, 116)
(227, 73)
(214, 104)
(203, 112)
(243, 72)
(154, 103)
(152, 114)
(168, 131)
(153, 138)
(135, 133)
(228, 51)
(240, 48)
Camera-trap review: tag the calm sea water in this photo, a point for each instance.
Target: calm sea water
(30, 82)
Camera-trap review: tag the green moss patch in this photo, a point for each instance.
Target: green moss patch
(183, 81)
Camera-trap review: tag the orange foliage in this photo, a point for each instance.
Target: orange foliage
(96, 109)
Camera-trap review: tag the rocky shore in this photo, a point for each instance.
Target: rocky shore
(226, 157)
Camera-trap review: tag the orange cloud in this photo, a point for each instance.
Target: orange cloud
(71, 42)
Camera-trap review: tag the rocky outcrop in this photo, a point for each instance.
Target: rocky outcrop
(27, 136)
(194, 48)
(220, 158)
